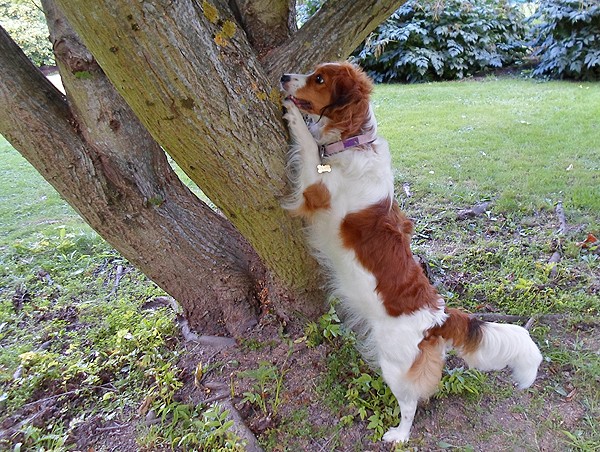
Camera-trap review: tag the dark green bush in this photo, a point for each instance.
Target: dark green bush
(567, 39)
(25, 23)
(440, 40)
(305, 9)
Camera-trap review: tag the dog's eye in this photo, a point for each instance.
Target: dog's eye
(319, 80)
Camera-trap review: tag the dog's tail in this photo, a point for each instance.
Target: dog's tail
(492, 346)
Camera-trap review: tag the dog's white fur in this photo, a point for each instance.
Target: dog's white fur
(360, 178)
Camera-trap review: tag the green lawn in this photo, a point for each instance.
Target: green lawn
(522, 143)
(74, 332)
(28, 204)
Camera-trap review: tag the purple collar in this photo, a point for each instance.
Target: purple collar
(326, 150)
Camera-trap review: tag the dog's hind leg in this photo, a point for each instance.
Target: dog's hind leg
(407, 396)
(407, 415)
(419, 382)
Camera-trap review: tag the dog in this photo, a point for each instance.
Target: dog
(342, 185)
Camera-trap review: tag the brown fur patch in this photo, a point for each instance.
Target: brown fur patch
(464, 331)
(426, 370)
(380, 237)
(316, 196)
(342, 96)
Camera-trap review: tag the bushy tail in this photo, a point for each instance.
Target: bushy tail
(492, 346)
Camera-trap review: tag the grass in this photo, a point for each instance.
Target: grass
(520, 142)
(28, 204)
(70, 335)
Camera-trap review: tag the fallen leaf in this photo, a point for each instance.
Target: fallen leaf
(198, 374)
(145, 405)
(591, 240)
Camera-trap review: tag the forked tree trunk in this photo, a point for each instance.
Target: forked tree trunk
(120, 182)
(191, 77)
(200, 78)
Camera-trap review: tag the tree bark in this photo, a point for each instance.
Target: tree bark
(267, 23)
(195, 83)
(112, 172)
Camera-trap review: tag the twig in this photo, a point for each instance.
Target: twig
(560, 212)
(562, 229)
(110, 429)
(35, 402)
(529, 323)
(118, 277)
(493, 317)
(9, 432)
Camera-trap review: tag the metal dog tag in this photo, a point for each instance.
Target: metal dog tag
(323, 169)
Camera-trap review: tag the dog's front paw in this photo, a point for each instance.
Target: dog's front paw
(396, 435)
(287, 105)
(292, 114)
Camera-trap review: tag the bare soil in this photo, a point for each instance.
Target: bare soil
(502, 419)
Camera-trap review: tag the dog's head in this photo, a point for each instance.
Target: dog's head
(336, 91)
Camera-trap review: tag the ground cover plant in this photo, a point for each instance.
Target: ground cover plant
(91, 355)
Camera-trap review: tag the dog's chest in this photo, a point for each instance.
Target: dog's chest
(353, 283)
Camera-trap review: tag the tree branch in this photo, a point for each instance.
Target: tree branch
(23, 88)
(330, 35)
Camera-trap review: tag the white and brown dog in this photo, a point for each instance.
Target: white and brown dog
(343, 186)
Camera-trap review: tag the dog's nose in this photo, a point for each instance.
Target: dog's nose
(285, 78)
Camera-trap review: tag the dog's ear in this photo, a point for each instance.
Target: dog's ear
(351, 85)
(344, 91)
(349, 107)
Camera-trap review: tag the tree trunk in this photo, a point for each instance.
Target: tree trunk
(268, 23)
(192, 78)
(200, 77)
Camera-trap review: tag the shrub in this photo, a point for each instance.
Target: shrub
(431, 40)
(305, 9)
(567, 39)
(26, 24)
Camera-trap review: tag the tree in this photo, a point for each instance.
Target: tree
(199, 81)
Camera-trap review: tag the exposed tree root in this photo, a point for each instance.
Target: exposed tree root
(218, 342)
(239, 427)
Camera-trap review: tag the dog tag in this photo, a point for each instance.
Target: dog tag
(323, 169)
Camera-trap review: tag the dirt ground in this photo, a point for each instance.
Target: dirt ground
(501, 420)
